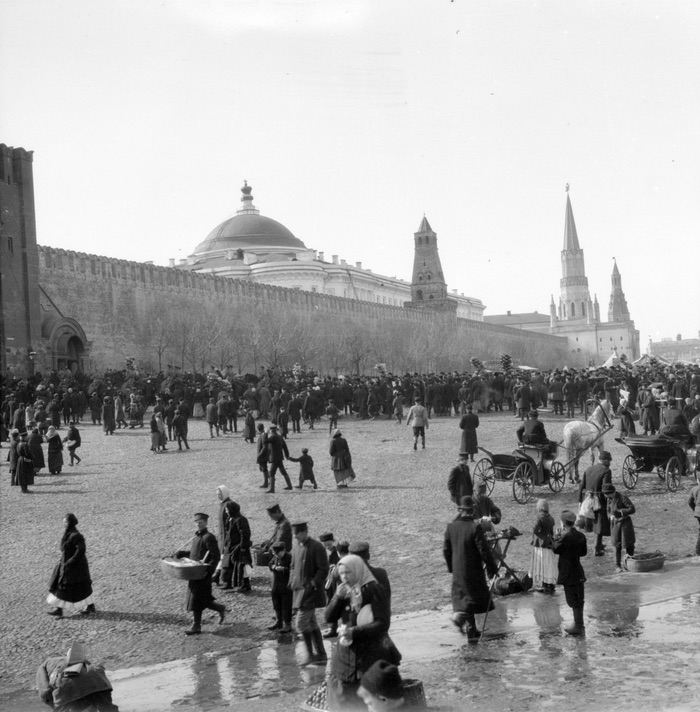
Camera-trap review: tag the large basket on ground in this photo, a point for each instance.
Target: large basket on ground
(413, 694)
(261, 557)
(643, 563)
(183, 569)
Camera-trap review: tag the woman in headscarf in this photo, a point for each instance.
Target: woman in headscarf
(543, 564)
(55, 451)
(223, 494)
(34, 441)
(361, 605)
(25, 464)
(238, 544)
(71, 586)
(341, 460)
(162, 432)
(155, 434)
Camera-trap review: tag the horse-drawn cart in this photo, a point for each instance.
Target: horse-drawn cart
(668, 457)
(527, 467)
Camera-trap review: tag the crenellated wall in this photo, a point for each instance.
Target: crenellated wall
(110, 299)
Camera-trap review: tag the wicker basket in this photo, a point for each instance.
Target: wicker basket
(642, 563)
(183, 569)
(261, 557)
(413, 693)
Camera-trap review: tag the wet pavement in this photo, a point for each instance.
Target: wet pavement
(641, 652)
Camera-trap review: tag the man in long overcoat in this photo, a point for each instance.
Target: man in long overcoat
(459, 483)
(620, 511)
(307, 580)
(199, 597)
(277, 451)
(593, 480)
(466, 553)
(468, 424)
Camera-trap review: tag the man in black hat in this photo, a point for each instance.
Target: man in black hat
(328, 541)
(570, 545)
(277, 452)
(282, 531)
(307, 579)
(620, 511)
(466, 553)
(459, 483)
(199, 597)
(592, 485)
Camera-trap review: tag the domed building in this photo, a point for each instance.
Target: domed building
(254, 247)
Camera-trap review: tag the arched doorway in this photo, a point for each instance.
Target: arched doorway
(68, 343)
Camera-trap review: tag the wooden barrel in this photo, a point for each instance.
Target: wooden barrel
(183, 569)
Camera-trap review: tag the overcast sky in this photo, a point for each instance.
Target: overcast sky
(351, 119)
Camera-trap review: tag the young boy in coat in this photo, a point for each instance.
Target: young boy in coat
(306, 468)
(570, 544)
(620, 511)
(281, 593)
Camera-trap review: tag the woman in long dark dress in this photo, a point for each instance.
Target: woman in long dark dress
(341, 460)
(109, 423)
(34, 441)
(25, 464)
(239, 544)
(70, 588)
(12, 457)
(55, 451)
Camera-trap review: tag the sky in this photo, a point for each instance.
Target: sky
(351, 119)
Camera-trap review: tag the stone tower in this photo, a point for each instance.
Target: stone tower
(20, 314)
(617, 309)
(575, 299)
(428, 286)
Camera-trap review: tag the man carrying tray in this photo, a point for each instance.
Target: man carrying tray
(199, 597)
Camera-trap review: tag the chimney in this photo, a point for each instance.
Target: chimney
(183, 262)
(320, 257)
(358, 265)
(171, 262)
(335, 259)
(344, 263)
(508, 313)
(454, 291)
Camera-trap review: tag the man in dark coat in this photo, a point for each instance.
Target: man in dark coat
(570, 545)
(263, 454)
(694, 504)
(466, 552)
(592, 482)
(459, 483)
(523, 399)
(199, 597)
(675, 424)
(282, 531)
(468, 424)
(307, 580)
(277, 451)
(620, 511)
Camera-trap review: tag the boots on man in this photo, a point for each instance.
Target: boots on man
(196, 627)
(321, 657)
(578, 628)
(308, 642)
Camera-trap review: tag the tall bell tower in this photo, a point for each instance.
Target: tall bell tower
(575, 299)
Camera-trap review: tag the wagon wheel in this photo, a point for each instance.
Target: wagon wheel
(486, 472)
(673, 474)
(522, 483)
(661, 472)
(629, 472)
(557, 477)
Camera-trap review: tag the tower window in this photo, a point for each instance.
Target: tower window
(573, 309)
(419, 295)
(429, 277)
(420, 240)
(430, 297)
(10, 245)
(427, 240)
(583, 308)
(420, 277)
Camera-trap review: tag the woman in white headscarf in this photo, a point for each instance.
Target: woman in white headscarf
(362, 606)
(53, 440)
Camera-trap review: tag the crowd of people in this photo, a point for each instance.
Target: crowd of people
(309, 573)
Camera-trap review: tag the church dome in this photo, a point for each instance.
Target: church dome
(247, 229)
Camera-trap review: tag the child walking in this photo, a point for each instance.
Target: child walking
(306, 468)
(543, 564)
(72, 441)
(571, 545)
(281, 593)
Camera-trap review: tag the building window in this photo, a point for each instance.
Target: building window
(573, 309)
(620, 338)
(420, 277)
(11, 245)
(420, 240)
(601, 339)
(583, 308)
(419, 295)
(427, 240)
(430, 297)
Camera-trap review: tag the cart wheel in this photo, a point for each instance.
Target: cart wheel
(629, 472)
(660, 472)
(486, 472)
(673, 474)
(522, 483)
(557, 477)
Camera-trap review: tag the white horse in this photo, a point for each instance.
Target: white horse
(580, 435)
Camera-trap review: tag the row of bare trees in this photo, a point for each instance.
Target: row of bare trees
(195, 335)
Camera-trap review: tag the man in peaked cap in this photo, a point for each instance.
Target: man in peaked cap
(570, 545)
(307, 580)
(199, 597)
(466, 553)
(592, 483)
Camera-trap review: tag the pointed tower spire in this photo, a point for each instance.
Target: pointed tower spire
(575, 297)
(428, 286)
(617, 308)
